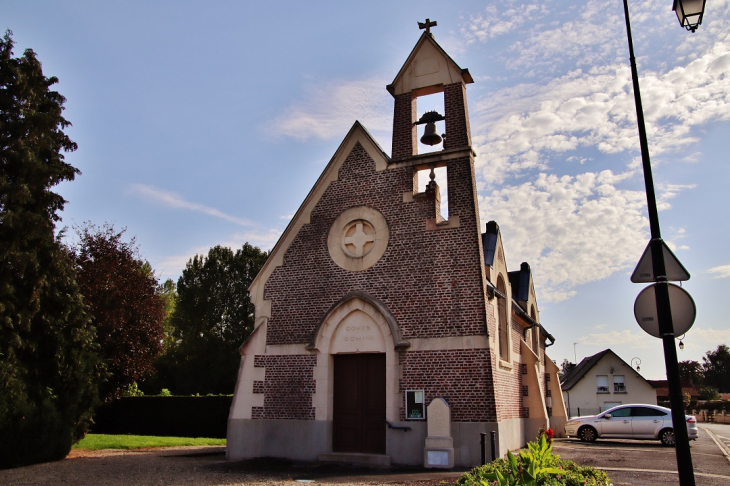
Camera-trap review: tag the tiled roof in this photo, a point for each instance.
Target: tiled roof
(577, 373)
(662, 388)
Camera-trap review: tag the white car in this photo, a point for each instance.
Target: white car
(633, 421)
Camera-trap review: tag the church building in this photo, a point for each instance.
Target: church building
(386, 333)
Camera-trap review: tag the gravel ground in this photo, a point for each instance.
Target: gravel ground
(205, 466)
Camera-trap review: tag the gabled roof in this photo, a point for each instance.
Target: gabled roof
(662, 388)
(577, 373)
(357, 134)
(422, 52)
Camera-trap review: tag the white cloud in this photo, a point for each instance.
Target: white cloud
(624, 338)
(712, 337)
(587, 38)
(329, 107)
(499, 19)
(583, 227)
(517, 129)
(572, 230)
(723, 271)
(173, 200)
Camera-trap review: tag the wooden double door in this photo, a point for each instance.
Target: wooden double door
(359, 403)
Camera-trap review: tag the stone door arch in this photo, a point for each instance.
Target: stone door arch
(357, 324)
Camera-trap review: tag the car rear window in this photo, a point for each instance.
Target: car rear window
(646, 412)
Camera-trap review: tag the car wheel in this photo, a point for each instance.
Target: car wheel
(588, 434)
(667, 437)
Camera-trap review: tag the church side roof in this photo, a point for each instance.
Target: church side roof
(426, 40)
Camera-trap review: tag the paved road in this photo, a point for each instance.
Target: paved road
(648, 463)
(721, 432)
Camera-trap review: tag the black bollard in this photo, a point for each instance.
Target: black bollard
(494, 445)
(483, 443)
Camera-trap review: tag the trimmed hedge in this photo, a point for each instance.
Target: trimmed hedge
(713, 405)
(165, 416)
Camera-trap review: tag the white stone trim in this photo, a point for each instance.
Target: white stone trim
(325, 345)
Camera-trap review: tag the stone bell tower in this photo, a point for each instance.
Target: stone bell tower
(429, 70)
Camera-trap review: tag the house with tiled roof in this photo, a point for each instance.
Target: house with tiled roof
(602, 381)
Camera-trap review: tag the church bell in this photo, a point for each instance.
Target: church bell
(430, 135)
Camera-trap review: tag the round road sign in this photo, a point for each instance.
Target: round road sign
(681, 303)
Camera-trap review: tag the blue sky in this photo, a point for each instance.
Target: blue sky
(204, 123)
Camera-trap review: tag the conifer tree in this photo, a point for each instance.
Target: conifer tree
(49, 369)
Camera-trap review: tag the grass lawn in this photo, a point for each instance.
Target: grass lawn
(95, 442)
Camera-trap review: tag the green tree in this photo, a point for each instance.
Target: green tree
(49, 369)
(565, 368)
(212, 317)
(691, 371)
(127, 308)
(708, 393)
(168, 292)
(716, 367)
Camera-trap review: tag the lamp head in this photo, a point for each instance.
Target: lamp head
(689, 13)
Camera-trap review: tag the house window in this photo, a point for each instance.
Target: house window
(503, 323)
(619, 385)
(602, 384)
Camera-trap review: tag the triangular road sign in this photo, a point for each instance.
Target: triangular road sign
(644, 271)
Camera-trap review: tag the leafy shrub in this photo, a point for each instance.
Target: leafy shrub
(708, 393)
(537, 466)
(713, 405)
(132, 390)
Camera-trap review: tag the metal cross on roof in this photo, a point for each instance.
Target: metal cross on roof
(427, 25)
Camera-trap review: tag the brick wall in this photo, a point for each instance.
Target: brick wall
(508, 382)
(430, 280)
(288, 387)
(457, 116)
(462, 377)
(405, 135)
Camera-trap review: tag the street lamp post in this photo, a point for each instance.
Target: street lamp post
(638, 362)
(687, 13)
